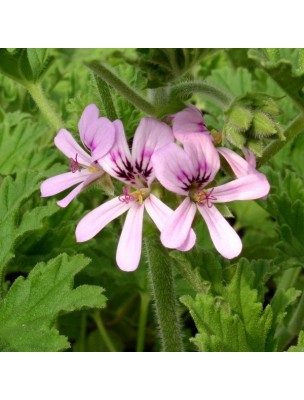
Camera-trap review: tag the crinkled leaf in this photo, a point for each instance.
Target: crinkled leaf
(30, 308)
(13, 223)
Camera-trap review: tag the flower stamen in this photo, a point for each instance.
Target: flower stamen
(74, 165)
(203, 197)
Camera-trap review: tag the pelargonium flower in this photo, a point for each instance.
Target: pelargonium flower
(98, 136)
(135, 170)
(187, 172)
(190, 120)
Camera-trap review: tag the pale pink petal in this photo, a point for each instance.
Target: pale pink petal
(150, 136)
(160, 213)
(239, 166)
(224, 237)
(130, 242)
(99, 137)
(189, 120)
(176, 231)
(70, 148)
(249, 187)
(204, 156)
(118, 162)
(173, 168)
(250, 157)
(97, 219)
(189, 242)
(61, 182)
(90, 114)
(90, 178)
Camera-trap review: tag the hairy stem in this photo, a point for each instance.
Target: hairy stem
(103, 332)
(44, 105)
(162, 286)
(293, 129)
(106, 98)
(144, 307)
(110, 77)
(185, 89)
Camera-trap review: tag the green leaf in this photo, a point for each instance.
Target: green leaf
(24, 65)
(29, 311)
(300, 344)
(23, 145)
(233, 318)
(285, 68)
(13, 223)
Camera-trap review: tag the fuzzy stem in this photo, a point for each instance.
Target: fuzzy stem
(43, 104)
(184, 89)
(110, 77)
(106, 98)
(103, 332)
(294, 327)
(162, 287)
(144, 307)
(83, 328)
(293, 129)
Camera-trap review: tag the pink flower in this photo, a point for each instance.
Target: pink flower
(98, 136)
(190, 120)
(135, 170)
(187, 172)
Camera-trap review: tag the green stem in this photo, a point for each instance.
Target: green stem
(43, 104)
(103, 332)
(162, 286)
(293, 129)
(294, 327)
(83, 329)
(289, 278)
(185, 89)
(144, 307)
(106, 98)
(110, 77)
(189, 274)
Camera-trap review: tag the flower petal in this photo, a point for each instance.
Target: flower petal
(189, 242)
(61, 182)
(249, 187)
(173, 168)
(224, 237)
(150, 136)
(203, 155)
(130, 242)
(99, 137)
(90, 178)
(97, 219)
(118, 162)
(176, 231)
(239, 166)
(70, 148)
(189, 120)
(160, 213)
(90, 114)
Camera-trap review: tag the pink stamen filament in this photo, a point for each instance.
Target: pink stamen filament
(74, 164)
(202, 197)
(126, 197)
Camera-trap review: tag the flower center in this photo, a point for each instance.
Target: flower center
(138, 195)
(203, 197)
(75, 166)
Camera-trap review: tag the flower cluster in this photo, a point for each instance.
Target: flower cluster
(181, 157)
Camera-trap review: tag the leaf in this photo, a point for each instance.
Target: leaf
(300, 344)
(233, 318)
(13, 223)
(29, 311)
(287, 72)
(23, 145)
(24, 65)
